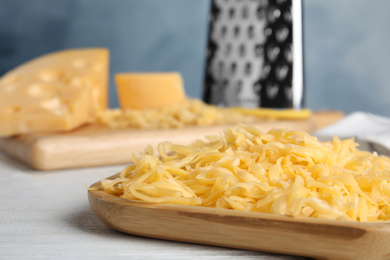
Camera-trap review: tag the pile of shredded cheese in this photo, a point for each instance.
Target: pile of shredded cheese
(281, 172)
(189, 112)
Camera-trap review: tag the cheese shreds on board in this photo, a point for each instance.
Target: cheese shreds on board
(280, 171)
(192, 112)
(188, 112)
(57, 91)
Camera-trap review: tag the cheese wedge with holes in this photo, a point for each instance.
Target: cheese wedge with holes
(57, 91)
(149, 90)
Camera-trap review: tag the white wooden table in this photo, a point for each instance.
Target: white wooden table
(46, 215)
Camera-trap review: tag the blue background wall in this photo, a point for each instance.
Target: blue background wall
(347, 55)
(346, 43)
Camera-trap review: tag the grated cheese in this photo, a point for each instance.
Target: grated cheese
(279, 171)
(192, 112)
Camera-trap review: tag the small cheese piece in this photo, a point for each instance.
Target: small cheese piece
(57, 91)
(149, 90)
(293, 114)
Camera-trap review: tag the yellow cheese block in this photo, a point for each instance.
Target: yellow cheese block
(293, 114)
(149, 90)
(57, 91)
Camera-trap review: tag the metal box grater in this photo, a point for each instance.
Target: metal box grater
(254, 54)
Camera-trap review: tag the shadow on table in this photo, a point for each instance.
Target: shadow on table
(13, 163)
(85, 220)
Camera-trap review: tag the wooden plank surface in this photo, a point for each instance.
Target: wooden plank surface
(95, 145)
(318, 238)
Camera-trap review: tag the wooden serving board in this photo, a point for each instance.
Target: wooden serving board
(318, 238)
(95, 145)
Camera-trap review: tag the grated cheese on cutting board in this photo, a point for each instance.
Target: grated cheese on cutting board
(279, 171)
(192, 112)
(188, 112)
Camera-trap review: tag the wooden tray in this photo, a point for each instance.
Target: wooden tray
(325, 239)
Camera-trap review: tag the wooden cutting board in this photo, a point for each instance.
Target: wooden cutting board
(318, 238)
(95, 145)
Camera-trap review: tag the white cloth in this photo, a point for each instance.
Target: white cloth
(371, 131)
